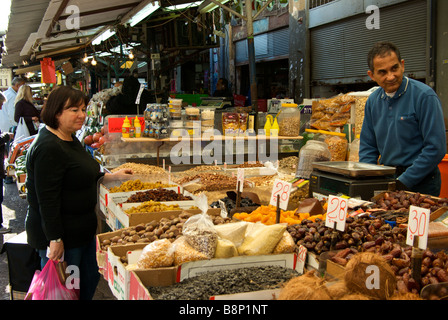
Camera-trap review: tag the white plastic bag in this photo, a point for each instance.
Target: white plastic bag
(22, 130)
(199, 230)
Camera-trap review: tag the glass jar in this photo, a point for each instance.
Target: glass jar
(313, 151)
(337, 144)
(289, 120)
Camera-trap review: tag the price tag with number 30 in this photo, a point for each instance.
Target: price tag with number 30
(418, 223)
(336, 213)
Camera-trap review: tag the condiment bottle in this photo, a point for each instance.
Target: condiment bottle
(125, 128)
(131, 129)
(274, 129)
(138, 127)
(268, 125)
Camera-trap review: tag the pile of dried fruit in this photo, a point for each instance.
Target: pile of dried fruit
(401, 200)
(157, 195)
(268, 214)
(135, 185)
(152, 206)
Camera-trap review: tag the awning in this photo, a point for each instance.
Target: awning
(45, 28)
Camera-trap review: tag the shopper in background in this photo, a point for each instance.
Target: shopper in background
(62, 182)
(25, 108)
(222, 88)
(403, 125)
(124, 103)
(7, 122)
(5, 137)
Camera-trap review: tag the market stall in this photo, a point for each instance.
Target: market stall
(314, 217)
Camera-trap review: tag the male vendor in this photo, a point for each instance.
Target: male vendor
(403, 125)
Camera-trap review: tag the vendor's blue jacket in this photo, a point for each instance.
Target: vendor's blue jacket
(407, 130)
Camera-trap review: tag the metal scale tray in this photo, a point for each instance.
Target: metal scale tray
(354, 169)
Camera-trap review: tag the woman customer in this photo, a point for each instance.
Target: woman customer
(24, 108)
(5, 137)
(62, 189)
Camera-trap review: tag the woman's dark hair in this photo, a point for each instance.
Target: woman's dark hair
(62, 97)
(381, 49)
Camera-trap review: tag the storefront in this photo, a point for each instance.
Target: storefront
(339, 49)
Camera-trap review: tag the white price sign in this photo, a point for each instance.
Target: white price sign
(418, 223)
(222, 205)
(336, 213)
(301, 259)
(281, 189)
(240, 179)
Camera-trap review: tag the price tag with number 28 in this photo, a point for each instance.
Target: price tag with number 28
(336, 213)
(281, 189)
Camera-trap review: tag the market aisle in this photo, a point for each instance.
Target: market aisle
(14, 212)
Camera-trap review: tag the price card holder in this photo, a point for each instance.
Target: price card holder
(418, 224)
(301, 259)
(281, 189)
(222, 205)
(240, 179)
(336, 213)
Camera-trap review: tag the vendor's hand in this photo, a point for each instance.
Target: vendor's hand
(56, 250)
(400, 185)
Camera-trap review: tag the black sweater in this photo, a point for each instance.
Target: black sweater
(62, 192)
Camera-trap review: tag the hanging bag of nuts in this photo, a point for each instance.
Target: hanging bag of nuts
(199, 230)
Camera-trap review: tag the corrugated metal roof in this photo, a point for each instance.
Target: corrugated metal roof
(39, 28)
(24, 19)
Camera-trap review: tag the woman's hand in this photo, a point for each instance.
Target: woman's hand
(120, 174)
(56, 250)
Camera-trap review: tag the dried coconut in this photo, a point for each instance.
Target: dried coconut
(357, 277)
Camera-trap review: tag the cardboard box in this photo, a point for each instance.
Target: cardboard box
(102, 255)
(141, 279)
(132, 219)
(119, 197)
(118, 277)
(335, 270)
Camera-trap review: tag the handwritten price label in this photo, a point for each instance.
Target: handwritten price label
(336, 213)
(240, 179)
(301, 259)
(418, 223)
(281, 189)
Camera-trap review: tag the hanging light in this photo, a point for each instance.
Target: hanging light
(131, 55)
(85, 59)
(93, 62)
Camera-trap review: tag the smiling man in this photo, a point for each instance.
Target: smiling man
(403, 125)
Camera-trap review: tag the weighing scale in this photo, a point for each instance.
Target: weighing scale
(215, 102)
(353, 179)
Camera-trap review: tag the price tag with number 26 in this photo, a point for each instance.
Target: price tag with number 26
(336, 213)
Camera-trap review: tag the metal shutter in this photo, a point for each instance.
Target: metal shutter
(267, 46)
(339, 50)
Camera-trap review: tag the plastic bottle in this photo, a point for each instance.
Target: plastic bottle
(138, 127)
(126, 128)
(268, 125)
(131, 129)
(353, 150)
(274, 129)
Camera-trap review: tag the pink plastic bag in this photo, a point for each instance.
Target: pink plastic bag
(47, 286)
